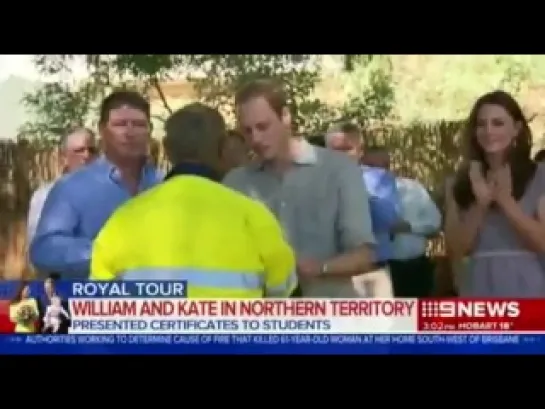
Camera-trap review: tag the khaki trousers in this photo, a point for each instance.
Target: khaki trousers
(374, 284)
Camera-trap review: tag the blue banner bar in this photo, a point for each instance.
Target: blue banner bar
(101, 289)
(337, 344)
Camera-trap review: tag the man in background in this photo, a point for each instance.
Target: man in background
(78, 148)
(50, 291)
(235, 151)
(316, 194)
(80, 203)
(224, 244)
(345, 138)
(383, 199)
(412, 270)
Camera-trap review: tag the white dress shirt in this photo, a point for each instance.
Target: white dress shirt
(419, 210)
(35, 209)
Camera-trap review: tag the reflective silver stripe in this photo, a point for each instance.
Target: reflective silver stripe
(282, 289)
(199, 277)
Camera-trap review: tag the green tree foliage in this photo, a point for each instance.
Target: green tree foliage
(371, 95)
(405, 88)
(226, 73)
(215, 78)
(443, 87)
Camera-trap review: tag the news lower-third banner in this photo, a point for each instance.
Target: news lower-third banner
(267, 344)
(157, 317)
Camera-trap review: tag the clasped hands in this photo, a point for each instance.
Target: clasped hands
(495, 186)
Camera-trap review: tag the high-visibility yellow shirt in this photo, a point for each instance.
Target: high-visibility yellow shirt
(223, 243)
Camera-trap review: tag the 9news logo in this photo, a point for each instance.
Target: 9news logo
(468, 309)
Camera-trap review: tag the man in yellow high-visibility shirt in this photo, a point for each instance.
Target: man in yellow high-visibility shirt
(190, 227)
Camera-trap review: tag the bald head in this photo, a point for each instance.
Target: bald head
(346, 138)
(195, 133)
(78, 148)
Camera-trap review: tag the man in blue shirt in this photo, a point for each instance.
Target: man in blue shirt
(384, 201)
(81, 202)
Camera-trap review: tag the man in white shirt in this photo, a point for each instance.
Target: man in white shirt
(412, 271)
(78, 148)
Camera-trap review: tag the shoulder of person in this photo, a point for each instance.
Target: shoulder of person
(44, 189)
(237, 177)
(333, 158)
(235, 194)
(157, 173)
(411, 183)
(337, 163)
(75, 178)
(31, 302)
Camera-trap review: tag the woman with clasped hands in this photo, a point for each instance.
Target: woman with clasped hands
(496, 206)
(23, 310)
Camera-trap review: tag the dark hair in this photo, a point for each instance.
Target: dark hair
(19, 293)
(539, 156)
(194, 131)
(317, 140)
(272, 91)
(53, 277)
(522, 166)
(123, 97)
(376, 148)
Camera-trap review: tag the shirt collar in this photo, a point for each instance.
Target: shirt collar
(303, 153)
(113, 171)
(195, 169)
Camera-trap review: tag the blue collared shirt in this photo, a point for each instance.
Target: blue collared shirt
(421, 212)
(75, 210)
(385, 208)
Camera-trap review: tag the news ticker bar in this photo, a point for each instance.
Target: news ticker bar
(338, 344)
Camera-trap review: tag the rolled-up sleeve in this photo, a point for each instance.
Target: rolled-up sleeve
(55, 247)
(353, 217)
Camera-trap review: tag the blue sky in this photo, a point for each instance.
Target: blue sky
(18, 76)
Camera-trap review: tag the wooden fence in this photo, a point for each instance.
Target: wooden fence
(427, 152)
